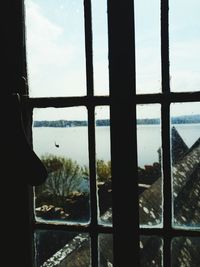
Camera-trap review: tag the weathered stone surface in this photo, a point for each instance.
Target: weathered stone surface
(150, 251)
(74, 207)
(186, 191)
(187, 203)
(105, 196)
(150, 205)
(185, 252)
(67, 256)
(179, 147)
(148, 175)
(106, 250)
(49, 212)
(183, 169)
(106, 218)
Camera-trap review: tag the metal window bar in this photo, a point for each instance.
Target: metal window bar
(91, 133)
(123, 132)
(165, 127)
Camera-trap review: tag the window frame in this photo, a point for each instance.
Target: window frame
(122, 80)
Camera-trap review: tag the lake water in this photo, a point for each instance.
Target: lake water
(73, 142)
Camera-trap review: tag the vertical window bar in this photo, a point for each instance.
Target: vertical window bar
(91, 132)
(88, 47)
(166, 181)
(12, 69)
(93, 193)
(165, 46)
(165, 116)
(123, 133)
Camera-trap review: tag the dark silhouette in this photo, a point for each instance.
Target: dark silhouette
(56, 145)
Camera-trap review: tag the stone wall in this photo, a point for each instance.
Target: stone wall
(77, 250)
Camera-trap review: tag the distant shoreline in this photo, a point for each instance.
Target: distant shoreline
(190, 119)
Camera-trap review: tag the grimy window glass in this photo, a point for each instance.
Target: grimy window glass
(184, 46)
(60, 139)
(107, 190)
(150, 180)
(100, 47)
(103, 164)
(147, 44)
(55, 52)
(185, 148)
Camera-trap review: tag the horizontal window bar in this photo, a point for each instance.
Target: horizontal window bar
(66, 101)
(167, 98)
(106, 229)
(74, 228)
(107, 100)
(169, 233)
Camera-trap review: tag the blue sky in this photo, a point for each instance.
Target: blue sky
(56, 51)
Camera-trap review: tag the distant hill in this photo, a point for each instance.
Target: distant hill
(186, 119)
(59, 123)
(77, 123)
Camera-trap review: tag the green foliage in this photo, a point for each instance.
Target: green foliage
(103, 170)
(64, 176)
(52, 163)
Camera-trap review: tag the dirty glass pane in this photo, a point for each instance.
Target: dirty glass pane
(103, 164)
(62, 249)
(60, 139)
(105, 250)
(151, 251)
(185, 252)
(100, 47)
(55, 48)
(184, 43)
(148, 54)
(149, 165)
(185, 151)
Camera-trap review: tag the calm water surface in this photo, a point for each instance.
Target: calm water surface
(73, 142)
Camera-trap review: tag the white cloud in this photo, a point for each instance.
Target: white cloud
(54, 62)
(185, 66)
(148, 69)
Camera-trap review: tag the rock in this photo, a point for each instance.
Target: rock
(50, 212)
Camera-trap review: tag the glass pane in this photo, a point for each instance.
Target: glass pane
(105, 250)
(55, 52)
(185, 147)
(103, 164)
(185, 252)
(100, 47)
(151, 251)
(148, 55)
(184, 33)
(149, 165)
(60, 139)
(60, 248)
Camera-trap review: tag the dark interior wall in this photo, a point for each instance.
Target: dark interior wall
(14, 191)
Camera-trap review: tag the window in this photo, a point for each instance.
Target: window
(176, 230)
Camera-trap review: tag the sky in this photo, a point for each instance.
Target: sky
(56, 51)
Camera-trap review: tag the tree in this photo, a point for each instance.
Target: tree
(64, 175)
(103, 170)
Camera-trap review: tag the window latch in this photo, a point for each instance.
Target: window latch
(25, 163)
